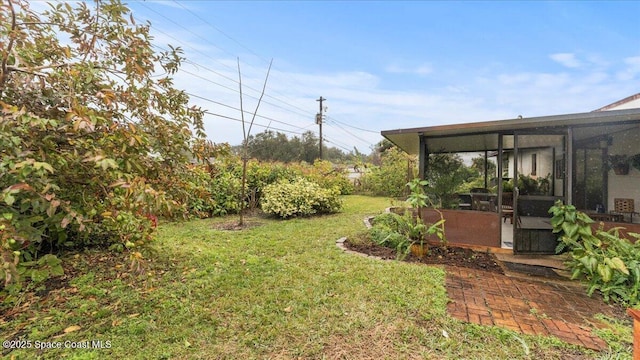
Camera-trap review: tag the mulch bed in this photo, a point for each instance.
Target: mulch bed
(440, 255)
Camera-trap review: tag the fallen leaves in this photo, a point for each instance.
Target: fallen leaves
(72, 328)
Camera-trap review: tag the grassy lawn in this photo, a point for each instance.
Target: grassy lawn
(279, 290)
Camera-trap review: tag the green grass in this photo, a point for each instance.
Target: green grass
(280, 290)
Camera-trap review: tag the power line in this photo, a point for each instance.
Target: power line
(235, 81)
(350, 133)
(354, 127)
(225, 65)
(234, 40)
(229, 106)
(237, 91)
(220, 31)
(255, 124)
(337, 145)
(246, 111)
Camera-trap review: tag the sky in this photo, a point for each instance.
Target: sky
(389, 64)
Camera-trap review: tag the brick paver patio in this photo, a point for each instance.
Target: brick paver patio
(526, 306)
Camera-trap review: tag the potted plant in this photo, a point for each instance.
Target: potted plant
(507, 186)
(619, 164)
(417, 230)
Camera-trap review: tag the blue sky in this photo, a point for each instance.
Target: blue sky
(387, 65)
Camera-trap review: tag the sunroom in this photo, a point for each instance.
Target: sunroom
(573, 158)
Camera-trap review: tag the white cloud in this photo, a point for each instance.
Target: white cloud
(362, 99)
(566, 59)
(632, 69)
(358, 99)
(420, 70)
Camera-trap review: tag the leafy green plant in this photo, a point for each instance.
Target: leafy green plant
(299, 197)
(608, 262)
(447, 174)
(325, 174)
(507, 186)
(530, 186)
(400, 232)
(390, 177)
(94, 144)
(403, 232)
(417, 197)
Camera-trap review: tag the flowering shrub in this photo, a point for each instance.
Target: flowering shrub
(299, 197)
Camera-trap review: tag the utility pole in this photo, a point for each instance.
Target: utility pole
(319, 122)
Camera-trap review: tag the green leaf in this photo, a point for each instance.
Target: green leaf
(586, 262)
(557, 220)
(584, 218)
(618, 264)
(39, 275)
(576, 273)
(570, 228)
(605, 272)
(9, 199)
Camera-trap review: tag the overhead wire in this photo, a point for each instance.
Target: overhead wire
(236, 41)
(245, 111)
(354, 127)
(208, 41)
(254, 124)
(235, 81)
(343, 147)
(347, 131)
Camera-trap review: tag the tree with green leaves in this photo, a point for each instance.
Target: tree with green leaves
(93, 135)
(446, 174)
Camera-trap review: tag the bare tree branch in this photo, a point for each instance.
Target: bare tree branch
(244, 133)
(264, 86)
(245, 147)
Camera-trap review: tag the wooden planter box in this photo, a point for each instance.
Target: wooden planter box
(465, 227)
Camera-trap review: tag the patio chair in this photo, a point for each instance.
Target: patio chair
(480, 199)
(624, 206)
(507, 207)
(482, 202)
(464, 201)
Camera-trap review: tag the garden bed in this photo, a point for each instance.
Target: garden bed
(450, 255)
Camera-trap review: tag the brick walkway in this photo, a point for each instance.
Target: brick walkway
(526, 306)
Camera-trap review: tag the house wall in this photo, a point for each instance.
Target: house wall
(625, 186)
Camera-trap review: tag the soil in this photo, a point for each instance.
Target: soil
(251, 220)
(440, 255)
(235, 226)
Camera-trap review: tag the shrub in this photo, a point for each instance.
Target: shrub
(224, 194)
(261, 174)
(299, 197)
(390, 177)
(92, 141)
(607, 262)
(325, 174)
